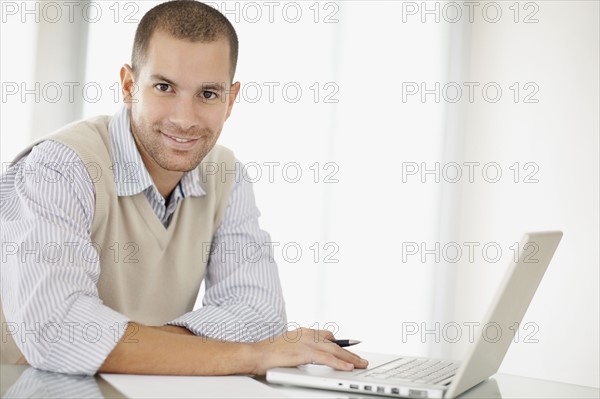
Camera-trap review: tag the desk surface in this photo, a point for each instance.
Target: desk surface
(24, 381)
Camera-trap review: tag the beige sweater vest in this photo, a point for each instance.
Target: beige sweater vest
(155, 274)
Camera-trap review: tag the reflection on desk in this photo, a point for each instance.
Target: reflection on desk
(28, 382)
(498, 386)
(168, 386)
(18, 381)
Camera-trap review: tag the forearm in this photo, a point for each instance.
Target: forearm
(174, 329)
(154, 350)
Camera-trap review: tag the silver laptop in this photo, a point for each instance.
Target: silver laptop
(412, 377)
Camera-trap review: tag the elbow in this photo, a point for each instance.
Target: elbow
(23, 342)
(28, 345)
(45, 348)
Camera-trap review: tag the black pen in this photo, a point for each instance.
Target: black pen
(345, 342)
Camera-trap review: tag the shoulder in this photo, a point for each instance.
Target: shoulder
(218, 167)
(219, 153)
(85, 138)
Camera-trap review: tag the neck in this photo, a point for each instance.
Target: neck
(164, 180)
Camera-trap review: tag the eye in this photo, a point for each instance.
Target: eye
(208, 95)
(163, 87)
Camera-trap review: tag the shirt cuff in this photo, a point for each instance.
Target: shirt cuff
(83, 340)
(220, 324)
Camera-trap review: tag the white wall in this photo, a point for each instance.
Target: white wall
(559, 134)
(363, 59)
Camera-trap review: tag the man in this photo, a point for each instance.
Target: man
(103, 263)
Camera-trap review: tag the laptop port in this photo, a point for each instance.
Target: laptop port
(380, 390)
(367, 387)
(353, 386)
(415, 393)
(395, 391)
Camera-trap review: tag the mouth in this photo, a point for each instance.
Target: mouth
(178, 143)
(179, 139)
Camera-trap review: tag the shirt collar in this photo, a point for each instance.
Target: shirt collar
(131, 175)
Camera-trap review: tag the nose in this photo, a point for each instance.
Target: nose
(184, 114)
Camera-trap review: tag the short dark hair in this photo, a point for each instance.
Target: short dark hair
(184, 19)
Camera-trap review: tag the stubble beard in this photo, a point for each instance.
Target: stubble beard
(155, 149)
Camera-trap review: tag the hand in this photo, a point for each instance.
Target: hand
(305, 346)
(22, 360)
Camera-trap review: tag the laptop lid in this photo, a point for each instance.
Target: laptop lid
(507, 308)
(484, 355)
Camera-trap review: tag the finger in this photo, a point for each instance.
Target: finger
(358, 361)
(330, 360)
(321, 335)
(311, 336)
(321, 340)
(326, 335)
(344, 355)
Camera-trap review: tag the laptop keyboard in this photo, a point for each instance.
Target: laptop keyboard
(425, 371)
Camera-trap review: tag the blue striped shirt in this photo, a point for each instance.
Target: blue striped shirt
(54, 308)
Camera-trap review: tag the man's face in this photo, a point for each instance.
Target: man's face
(179, 101)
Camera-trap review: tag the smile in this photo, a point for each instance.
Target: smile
(179, 140)
(178, 143)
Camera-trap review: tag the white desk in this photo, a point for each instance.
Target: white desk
(23, 381)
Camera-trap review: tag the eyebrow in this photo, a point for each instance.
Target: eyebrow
(162, 78)
(205, 86)
(213, 86)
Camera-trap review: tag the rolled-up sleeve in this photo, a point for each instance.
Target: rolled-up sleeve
(243, 301)
(50, 266)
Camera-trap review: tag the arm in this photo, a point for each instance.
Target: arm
(244, 300)
(147, 350)
(53, 206)
(50, 269)
(237, 292)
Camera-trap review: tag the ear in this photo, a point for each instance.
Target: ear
(233, 93)
(128, 87)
